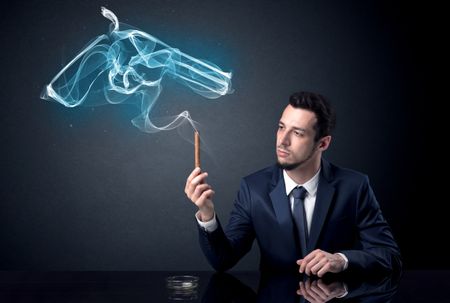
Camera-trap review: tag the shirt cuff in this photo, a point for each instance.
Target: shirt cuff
(345, 259)
(345, 291)
(210, 225)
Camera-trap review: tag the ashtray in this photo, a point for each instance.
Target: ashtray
(182, 288)
(182, 282)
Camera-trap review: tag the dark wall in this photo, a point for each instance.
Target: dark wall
(83, 189)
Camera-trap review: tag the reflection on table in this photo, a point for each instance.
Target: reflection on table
(86, 287)
(224, 287)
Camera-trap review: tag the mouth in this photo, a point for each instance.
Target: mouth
(282, 153)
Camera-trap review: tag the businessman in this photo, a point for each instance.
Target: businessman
(305, 213)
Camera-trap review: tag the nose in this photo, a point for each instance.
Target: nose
(283, 139)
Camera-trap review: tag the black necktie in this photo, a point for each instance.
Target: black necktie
(299, 215)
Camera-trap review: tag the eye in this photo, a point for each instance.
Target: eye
(298, 133)
(280, 127)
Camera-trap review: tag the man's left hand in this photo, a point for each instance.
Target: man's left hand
(319, 262)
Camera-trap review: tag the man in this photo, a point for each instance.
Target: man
(305, 213)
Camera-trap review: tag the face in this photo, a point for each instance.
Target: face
(295, 139)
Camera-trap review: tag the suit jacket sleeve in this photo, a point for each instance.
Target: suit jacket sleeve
(224, 248)
(378, 250)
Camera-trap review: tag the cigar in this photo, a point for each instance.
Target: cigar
(197, 149)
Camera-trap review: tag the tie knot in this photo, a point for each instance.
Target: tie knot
(299, 193)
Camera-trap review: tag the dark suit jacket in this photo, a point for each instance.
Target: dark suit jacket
(347, 219)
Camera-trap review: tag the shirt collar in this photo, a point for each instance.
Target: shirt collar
(310, 185)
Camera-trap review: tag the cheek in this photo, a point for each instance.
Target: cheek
(301, 147)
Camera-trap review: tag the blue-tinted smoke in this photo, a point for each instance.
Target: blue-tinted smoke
(128, 66)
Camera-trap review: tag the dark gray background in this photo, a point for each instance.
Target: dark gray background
(83, 189)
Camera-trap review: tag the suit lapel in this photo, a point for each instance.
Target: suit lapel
(281, 206)
(325, 192)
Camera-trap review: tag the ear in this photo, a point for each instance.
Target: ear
(324, 143)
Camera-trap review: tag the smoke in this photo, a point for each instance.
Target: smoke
(127, 66)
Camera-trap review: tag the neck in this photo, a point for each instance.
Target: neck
(306, 171)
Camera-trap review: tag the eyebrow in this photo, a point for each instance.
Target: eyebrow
(296, 128)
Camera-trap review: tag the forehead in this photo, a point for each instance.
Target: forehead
(298, 117)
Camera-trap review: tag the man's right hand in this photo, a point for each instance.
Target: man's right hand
(200, 193)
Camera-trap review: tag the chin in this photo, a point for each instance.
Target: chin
(288, 166)
(282, 163)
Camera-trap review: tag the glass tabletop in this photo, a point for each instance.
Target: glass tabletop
(160, 286)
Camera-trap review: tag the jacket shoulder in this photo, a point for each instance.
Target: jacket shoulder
(262, 176)
(340, 173)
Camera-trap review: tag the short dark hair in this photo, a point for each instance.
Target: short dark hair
(318, 104)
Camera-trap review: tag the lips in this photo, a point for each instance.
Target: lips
(282, 153)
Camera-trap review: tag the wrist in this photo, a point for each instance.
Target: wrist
(344, 260)
(206, 215)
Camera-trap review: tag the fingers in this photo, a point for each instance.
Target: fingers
(319, 266)
(198, 191)
(317, 262)
(311, 292)
(306, 260)
(194, 179)
(193, 174)
(204, 198)
(302, 263)
(317, 291)
(312, 264)
(324, 270)
(324, 288)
